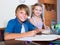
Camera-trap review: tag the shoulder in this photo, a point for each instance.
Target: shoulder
(30, 25)
(31, 21)
(28, 21)
(11, 21)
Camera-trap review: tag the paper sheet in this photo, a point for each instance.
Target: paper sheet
(39, 38)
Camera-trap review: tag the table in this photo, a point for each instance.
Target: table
(12, 42)
(17, 42)
(22, 42)
(41, 39)
(1, 33)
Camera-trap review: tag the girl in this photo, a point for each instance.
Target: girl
(37, 18)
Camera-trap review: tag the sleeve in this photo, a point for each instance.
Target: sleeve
(31, 26)
(10, 26)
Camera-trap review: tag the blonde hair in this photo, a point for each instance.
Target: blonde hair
(23, 6)
(37, 4)
(33, 7)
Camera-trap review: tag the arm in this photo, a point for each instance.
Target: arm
(46, 27)
(8, 36)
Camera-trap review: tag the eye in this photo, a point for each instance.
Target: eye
(36, 9)
(40, 10)
(21, 12)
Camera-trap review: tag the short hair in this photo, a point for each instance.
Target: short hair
(23, 6)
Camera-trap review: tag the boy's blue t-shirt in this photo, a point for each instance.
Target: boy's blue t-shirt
(14, 26)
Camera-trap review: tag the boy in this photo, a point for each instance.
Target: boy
(20, 26)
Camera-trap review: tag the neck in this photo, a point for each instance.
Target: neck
(20, 21)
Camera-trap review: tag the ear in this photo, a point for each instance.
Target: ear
(15, 14)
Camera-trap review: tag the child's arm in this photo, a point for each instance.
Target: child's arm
(46, 27)
(8, 36)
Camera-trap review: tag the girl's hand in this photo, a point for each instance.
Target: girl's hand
(46, 27)
(38, 30)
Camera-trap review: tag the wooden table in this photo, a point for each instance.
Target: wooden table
(16, 42)
(40, 39)
(2, 34)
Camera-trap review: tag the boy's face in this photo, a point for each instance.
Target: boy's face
(21, 15)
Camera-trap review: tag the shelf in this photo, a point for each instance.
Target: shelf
(49, 16)
(50, 7)
(50, 11)
(2, 28)
(48, 1)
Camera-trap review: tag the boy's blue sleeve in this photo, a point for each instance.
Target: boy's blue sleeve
(10, 26)
(31, 27)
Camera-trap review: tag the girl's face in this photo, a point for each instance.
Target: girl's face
(37, 11)
(21, 15)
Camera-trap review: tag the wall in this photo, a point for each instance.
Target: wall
(7, 10)
(58, 11)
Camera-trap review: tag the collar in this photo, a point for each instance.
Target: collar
(20, 21)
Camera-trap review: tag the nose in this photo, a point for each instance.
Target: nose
(24, 15)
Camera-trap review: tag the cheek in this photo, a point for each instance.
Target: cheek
(18, 16)
(35, 12)
(26, 17)
(40, 12)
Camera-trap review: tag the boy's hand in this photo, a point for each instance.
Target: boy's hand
(38, 31)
